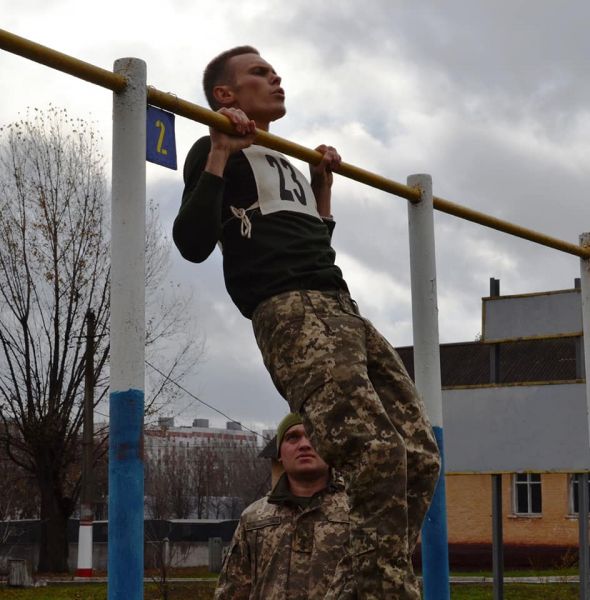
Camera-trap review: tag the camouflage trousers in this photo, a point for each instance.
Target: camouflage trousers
(364, 417)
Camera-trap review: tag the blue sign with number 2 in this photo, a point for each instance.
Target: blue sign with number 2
(161, 141)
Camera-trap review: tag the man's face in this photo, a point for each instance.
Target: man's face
(256, 88)
(298, 457)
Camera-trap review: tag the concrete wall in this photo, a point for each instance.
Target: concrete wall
(183, 554)
(499, 429)
(189, 545)
(532, 315)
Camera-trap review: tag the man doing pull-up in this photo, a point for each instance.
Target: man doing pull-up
(359, 407)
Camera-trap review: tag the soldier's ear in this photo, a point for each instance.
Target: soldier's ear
(224, 95)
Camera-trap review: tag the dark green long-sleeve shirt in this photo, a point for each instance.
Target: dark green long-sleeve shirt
(276, 247)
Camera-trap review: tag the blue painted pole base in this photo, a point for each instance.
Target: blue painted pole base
(125, 549)
(435, 547)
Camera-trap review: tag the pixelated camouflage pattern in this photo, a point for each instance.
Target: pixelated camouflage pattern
(365, 418)
(283, 552)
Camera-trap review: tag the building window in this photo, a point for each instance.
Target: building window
(575, 494)
(527, 494)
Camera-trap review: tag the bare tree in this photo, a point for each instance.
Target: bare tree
(173, 344)
(163, 554)
(207, 481)
(231, 477)
(170, 486)
(54, 266)
(249, 475)
(156, 490)
(169, 494)
(18, 499)
(16, 502)
(242, 478)
(204, 466)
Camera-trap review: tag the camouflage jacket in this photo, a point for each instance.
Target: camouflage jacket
(281, 551)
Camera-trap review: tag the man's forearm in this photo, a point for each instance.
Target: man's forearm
(217, 160)
(323, 198)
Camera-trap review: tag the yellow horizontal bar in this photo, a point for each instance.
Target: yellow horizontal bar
(500, 225)
(213, 119)
(62, 62)
(264, 138)
(117, 83)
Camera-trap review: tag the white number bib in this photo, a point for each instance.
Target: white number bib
(280, 185)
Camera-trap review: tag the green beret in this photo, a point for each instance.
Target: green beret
(288, 422)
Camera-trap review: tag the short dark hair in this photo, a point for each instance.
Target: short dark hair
(217, 73)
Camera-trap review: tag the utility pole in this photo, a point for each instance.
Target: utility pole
(87, 490)
(497, 530)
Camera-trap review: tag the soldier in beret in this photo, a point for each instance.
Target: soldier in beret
(288, 544)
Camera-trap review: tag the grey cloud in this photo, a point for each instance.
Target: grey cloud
(488, 97)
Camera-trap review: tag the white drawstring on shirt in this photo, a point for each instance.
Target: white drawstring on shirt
(242, 215)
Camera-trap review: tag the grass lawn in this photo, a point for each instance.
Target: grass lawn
(522, 591)
(98, 591)
(556, 572)
(204, 591)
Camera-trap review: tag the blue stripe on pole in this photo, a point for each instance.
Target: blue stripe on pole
(125, 547)
(435, 548)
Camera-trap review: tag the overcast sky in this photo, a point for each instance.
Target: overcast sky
(489, 97)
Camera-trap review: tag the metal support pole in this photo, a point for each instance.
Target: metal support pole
(583, 535)
(125, 550)
(583, 478)
(494, 348)
(580, 371)
(497, 537)
(497, 532)
(435, 554)
(585, 293)
(87, 492)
